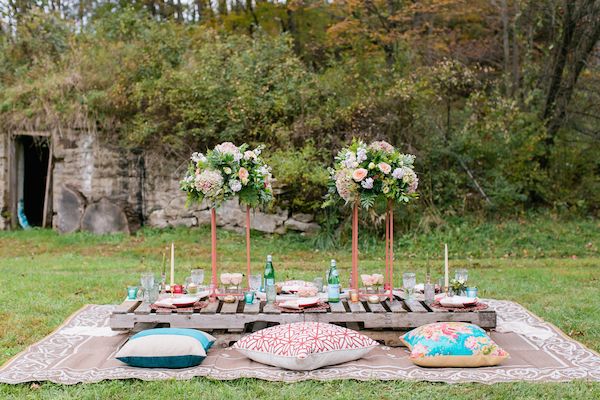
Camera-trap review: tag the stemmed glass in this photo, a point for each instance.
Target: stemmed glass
(147, 282)
(408, 282)
(197, 277)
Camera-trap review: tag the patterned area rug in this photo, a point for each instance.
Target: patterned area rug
(83, 349)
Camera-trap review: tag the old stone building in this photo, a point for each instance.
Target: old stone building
(76, 180)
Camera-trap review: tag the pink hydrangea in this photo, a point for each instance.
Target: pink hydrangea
(382, 146)
(344, 184)
(209, 182)
(229, 148)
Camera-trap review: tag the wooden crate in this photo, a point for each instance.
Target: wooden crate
(229, 321)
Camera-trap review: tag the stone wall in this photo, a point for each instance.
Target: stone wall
(96, 186)
(102, 188)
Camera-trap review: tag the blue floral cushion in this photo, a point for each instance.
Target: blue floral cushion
(452, 344)
(166, 348)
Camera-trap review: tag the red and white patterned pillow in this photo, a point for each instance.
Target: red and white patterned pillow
(304, 346)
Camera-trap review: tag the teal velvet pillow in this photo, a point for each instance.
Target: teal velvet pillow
(166, 348)
(452, 344)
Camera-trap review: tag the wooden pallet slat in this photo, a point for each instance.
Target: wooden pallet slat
(337, 307)
(271, 309)
(396, 306)
(126, 307)
(376, 308)
(211, 308)
(143, 309)
(229, 308)
(253, 308)
(357, 307)
(415, 306)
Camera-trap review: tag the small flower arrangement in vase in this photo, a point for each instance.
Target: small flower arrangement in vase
(457, 287)
(372, 282)
(232, 282)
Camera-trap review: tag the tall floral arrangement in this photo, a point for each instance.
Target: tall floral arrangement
(228, 171)
(367, 172)
(223, 173)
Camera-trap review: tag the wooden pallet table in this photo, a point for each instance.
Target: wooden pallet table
(229, 321)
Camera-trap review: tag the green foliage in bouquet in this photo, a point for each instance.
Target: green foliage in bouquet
(228, 171)
(370, 172)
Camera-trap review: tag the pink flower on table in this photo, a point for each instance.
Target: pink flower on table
(226, 278)
(378, 278)
(367, 280)
(236, 278)
(359, 174)
(229, 148)
(249, 155)
(384, 167)
(243, 174)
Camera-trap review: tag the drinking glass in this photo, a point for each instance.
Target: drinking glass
(249, 297)
(461, 275)
(472, 292)
(153, 294)
(132, 292)
(429, 292)
(198, 276)
(318, 284)
(255, 282)
(409, 281)
(147, 281)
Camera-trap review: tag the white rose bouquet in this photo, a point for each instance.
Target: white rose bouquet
(228, 171)
(369, 172)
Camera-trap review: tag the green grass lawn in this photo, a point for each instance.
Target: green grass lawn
(551, 266)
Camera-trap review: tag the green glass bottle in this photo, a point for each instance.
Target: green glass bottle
(269, 275)
(333, 284)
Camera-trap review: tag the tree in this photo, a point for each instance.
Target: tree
(580, 35)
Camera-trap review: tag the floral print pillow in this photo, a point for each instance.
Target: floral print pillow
(452, 344)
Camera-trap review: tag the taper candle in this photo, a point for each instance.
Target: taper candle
(446, 283)
(173, 264)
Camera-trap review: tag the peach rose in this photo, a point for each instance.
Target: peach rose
(384, 167)
(359, 174)
(243, 174)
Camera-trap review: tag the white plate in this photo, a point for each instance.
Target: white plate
(182, 301)
(298, 304)
(458, 301)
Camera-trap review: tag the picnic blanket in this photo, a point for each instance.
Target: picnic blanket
(83, 349)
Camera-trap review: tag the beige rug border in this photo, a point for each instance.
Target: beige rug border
(55, 330)
(558, 330)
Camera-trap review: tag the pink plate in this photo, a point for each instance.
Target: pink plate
(183, 301)
(308, 302)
